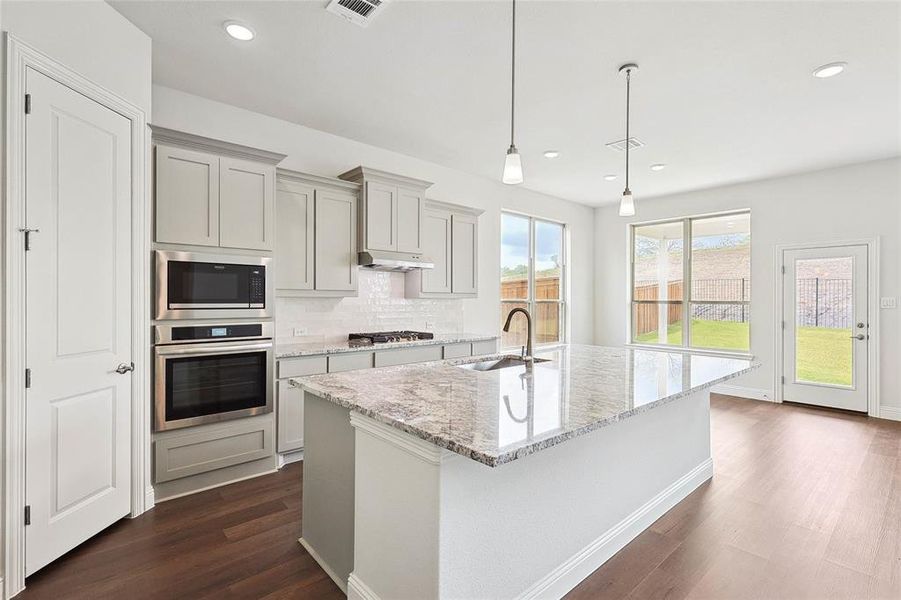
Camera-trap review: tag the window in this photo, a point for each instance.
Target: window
(532, 277)
(696, 271)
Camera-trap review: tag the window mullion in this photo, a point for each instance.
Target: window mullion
(686, 283)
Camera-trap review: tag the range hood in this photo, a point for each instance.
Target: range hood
(402, 262)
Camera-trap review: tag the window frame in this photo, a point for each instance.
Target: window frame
(687, 300)
(530, 301)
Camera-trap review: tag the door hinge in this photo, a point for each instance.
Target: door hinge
(28, 514)
(27, 104)
(28, 231)
(783, 324)
(783, 379)
(27, 378)
(783, 269)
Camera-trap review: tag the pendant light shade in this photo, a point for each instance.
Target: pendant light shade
(513, 162)
(627, 203)
(513, 167)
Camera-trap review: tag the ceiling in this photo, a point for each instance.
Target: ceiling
(724, 92)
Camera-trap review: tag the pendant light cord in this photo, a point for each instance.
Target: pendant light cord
(628, 143)
(513, 77)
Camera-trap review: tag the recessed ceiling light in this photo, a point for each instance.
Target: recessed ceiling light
(830, 70)
(610, 177)
(238, 31)
(551, 153)
(658, 167)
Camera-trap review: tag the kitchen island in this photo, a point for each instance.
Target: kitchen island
(443, 480)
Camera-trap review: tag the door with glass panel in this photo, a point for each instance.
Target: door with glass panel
(825, 327)
(532, 277)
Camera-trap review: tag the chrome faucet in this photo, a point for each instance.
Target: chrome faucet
(528, 351)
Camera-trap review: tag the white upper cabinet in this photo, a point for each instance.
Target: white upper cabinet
(213, 193)
(246, 204)
(391, 210)
(316, 246)
(187, 197)
(294, 236)
(450, 239)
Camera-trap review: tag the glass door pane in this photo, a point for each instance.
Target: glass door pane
(824, 320)
(514, 257)
(548, 260)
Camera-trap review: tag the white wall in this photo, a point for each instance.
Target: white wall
(92, 39)
(321, 153)
(853, 202)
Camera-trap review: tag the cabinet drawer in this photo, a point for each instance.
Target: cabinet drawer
(484, 347)
(406, 356)
(298, 367)
(349, 362)
(458, 350)
(210, 448)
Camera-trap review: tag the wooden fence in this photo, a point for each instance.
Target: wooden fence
(546, 318)
(647, 316)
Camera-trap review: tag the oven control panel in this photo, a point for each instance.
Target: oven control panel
(213, 332)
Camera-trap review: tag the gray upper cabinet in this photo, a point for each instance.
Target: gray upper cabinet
(336, 241)
(451, 241)
(246, 204)
(294, 235)
(391, 211)
(187, 197)
(436, 232)
(213, 193)
(316, 245)
(464, 254)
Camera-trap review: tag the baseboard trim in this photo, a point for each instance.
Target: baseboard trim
(575, 569)
(149, 498)
(325, 567)
(217, 485)
(890, 412)
(289, 457)
(740, 391)
(357, 590)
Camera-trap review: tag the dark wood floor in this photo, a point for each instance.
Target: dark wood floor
(805, 503)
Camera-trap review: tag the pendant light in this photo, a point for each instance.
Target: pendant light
(513, 162)
(627, 204)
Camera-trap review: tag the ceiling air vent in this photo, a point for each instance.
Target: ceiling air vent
(620, 145)
(359, 12)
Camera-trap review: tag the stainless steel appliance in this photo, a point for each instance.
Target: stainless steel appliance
(191, 285)
(208, 373)
(383, 337)
(401, 262)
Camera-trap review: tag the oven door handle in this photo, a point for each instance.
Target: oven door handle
(209, 349)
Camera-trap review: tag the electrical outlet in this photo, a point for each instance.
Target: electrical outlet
(299, 331)
(429, 325)
(888, 303)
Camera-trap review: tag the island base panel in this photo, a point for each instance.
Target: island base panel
(433, 524)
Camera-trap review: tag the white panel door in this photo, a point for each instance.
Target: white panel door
(246, 204)
(825, 339)
(78, 325)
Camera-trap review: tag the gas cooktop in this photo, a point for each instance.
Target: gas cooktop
(382, 337)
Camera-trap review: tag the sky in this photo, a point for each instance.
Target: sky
(515, 242)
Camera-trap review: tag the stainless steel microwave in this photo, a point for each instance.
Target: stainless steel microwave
(192, 285)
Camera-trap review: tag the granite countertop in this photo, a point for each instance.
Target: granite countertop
(314, 348)
(496, 417)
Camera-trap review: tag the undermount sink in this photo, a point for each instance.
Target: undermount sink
(496, 364)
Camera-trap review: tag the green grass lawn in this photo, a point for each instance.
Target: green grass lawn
(824, 354)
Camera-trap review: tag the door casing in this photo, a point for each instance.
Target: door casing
(20, 56)
(872, 245)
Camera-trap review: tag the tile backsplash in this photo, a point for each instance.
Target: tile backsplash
(380, 306)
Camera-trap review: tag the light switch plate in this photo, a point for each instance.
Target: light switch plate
(888, 303)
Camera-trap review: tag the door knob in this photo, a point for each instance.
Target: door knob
(859, 336)
(123, 368)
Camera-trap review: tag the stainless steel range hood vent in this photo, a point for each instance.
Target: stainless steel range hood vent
(401, 262)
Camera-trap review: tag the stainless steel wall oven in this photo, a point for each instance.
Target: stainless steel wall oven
(210, 373)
